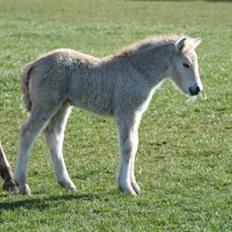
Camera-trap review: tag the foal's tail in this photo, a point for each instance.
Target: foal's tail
(25, 78)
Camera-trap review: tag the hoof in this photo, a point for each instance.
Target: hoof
(10, 186)
(24, 189)
(127, 189)
(136, 187)
(68, 186)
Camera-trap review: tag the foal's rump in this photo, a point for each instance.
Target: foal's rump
(65, 74)
(45, 79)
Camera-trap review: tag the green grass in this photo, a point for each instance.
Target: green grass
(184, 162)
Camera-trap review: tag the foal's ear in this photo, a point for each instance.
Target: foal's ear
(180, 44)
(196, 42)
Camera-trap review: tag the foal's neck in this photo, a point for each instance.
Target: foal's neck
(153, 66)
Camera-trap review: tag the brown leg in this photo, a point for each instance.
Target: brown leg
(6, 172)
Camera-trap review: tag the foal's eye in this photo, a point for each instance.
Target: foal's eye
(186, 65)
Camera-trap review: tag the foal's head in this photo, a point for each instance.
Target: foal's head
(184, 71)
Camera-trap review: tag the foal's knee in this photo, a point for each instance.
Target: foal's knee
(128, 149)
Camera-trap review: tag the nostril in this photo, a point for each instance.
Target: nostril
(194, 90)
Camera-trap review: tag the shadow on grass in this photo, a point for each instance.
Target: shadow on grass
(218, 1)
(46, 202)
(180, 1)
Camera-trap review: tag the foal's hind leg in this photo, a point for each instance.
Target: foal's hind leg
(29, 132)
(54, 133)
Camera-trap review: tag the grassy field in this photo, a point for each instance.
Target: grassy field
(184, 162)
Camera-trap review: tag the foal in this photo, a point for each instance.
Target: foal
(120, 86)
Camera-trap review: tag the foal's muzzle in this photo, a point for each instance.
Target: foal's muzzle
(194, 90)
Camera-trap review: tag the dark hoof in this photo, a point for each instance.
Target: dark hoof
(10, 186)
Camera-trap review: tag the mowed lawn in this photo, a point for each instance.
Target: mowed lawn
(184, 161)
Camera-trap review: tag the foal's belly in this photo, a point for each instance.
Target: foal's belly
(93, 101)
(93, 93)
(94, 107)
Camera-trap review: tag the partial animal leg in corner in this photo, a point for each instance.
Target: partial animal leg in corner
(6, 172)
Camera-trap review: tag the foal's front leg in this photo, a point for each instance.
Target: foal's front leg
(128, 137)
(132, 175)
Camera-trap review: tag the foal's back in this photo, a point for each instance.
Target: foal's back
(87, 82)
